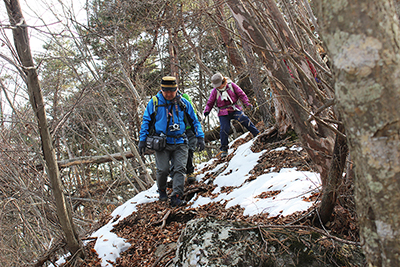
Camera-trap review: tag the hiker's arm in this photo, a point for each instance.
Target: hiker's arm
(211, 101)
(144, 129)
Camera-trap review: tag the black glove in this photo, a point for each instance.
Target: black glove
(142, 147)
(200, 143)
(206, 113)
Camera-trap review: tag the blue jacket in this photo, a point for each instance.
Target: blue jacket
(169, 114)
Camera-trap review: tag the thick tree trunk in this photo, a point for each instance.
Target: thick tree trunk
(21, 41)
(362, 38)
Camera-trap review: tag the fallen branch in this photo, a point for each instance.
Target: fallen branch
(164, 219)
(90, 160)
(93, 200)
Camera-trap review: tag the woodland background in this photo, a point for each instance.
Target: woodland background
(326, 71)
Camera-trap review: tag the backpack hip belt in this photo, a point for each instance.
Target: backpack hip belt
(227, 106)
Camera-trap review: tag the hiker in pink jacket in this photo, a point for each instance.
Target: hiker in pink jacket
(225, 96)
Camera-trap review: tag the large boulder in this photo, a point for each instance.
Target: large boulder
(211, 242)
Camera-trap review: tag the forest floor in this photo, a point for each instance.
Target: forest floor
(155, 228)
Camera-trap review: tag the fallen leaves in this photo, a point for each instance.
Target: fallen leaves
(268, 194)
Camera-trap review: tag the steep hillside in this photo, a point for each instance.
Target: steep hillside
(259, 183)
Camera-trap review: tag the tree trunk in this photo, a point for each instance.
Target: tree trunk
(22, 46)
(362, 38)
(329, 196)
(173, 47)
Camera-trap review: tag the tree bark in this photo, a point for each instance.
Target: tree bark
(21, 41)
(329, 196)
(362, 38)
(173, 46)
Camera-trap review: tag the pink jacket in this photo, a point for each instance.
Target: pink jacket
(235, 94)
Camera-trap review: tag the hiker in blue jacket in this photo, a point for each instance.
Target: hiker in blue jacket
(166, 118)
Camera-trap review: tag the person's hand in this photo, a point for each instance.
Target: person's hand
(206, 113)
(250, 107)
(200, 143)
(142, 147)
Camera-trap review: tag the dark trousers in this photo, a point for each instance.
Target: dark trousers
(192, 147)
(189, 164)
(225, 122)
(177, 156)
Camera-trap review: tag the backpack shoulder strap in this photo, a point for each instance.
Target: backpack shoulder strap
(153, 115)
(230, 86)
(182, 105)
(155, 103)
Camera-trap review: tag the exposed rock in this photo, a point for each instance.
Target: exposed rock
(211, 242)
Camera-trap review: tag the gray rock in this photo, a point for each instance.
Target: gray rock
(211, 242)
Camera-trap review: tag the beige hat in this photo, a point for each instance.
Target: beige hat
(168, 83)
(216, 79)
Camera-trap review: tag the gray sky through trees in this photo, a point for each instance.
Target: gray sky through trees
(44, 18)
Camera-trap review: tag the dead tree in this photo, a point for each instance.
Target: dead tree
(21, 42)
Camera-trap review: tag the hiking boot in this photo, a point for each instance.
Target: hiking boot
(163, 195)
(176, 201)
(191, 178)
(222, 154)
